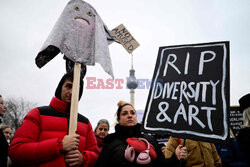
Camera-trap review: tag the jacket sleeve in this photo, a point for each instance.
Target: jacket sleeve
(91, 153)
(25, 147)
(171, 145)
(111, 141)
(104, 158)
(217, 160)
(161, 161)
(3, 149)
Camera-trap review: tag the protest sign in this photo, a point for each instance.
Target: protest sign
(189, 95)
(235, 119)
(125, 38)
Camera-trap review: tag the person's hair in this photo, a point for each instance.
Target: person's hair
(3, 127)
(64, 78)
(102, 121)
(246, 117)
(0, 95)
(120, 105)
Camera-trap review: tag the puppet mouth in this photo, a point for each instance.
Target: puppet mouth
(79, 17)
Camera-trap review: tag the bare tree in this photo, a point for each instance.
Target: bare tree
(17, 108)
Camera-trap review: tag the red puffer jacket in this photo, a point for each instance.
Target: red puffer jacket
(38, 141)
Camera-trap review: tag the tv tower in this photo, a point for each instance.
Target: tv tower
(124, 37)
(132, 82)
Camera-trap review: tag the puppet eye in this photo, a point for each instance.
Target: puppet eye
(77, 8)
(89, 13)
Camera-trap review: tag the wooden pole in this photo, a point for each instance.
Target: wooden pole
(74, 99)
(231, 133)
(181, 160)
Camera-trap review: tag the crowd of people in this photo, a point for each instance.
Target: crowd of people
(43, 140)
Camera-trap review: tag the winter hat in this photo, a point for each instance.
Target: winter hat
(64, 78)
(244, 102)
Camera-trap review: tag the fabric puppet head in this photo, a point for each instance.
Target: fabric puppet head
(80, 35)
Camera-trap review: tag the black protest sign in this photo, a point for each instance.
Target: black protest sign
(189, 95)
(235, 119)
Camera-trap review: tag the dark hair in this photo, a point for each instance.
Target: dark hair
(121, 105)
(0, 95)
(64, 78)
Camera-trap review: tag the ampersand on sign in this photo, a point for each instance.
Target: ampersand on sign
(163, 107)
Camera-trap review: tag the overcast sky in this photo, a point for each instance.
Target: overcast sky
(26, 24)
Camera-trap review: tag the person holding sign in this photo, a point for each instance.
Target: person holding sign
(129, 147)
(200, 154)
(244, 133)
(42, 138)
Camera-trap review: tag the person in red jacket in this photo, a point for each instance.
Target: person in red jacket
(43, 140)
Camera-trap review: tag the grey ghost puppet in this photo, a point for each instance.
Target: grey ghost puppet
(81, 36)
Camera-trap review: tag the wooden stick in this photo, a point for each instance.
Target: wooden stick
(231, 133)
(182, 160)
(74, 100)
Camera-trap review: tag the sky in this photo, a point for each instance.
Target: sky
(26, 24)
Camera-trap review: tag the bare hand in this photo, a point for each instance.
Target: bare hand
(70, 142)
(181, 152)
(73, 158)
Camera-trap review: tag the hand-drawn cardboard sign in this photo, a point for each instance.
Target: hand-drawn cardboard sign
(125, 38)
(235, 119)
(189, 95)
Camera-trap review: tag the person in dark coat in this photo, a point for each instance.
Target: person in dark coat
(127, 137)
(230, 153)
(244, 133)
(3, 142)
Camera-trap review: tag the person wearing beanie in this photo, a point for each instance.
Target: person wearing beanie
(101, 131)
(244, 133)
(43, 140)
(129, 147)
